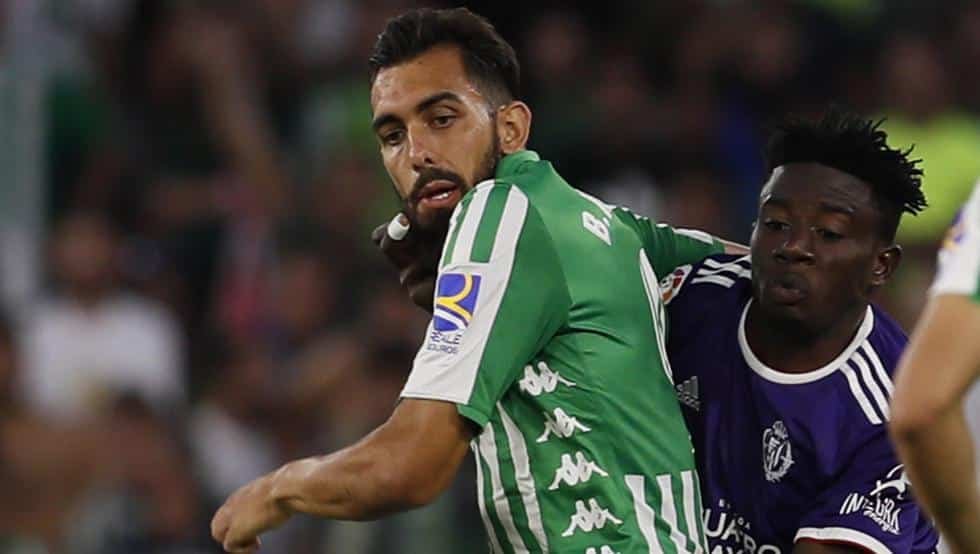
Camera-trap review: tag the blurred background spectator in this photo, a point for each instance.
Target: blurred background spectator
(187, 190)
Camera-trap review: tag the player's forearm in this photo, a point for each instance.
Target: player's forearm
(357, 483)
(944, 477)
(734, 248)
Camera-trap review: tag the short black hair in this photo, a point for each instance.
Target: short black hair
(490, 61)
(859, 147)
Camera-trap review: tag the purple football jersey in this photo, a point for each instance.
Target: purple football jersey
(785, 457)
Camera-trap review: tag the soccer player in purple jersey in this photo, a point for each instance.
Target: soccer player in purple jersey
(784, 367)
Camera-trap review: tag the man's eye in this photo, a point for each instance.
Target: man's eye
(774, 225)
(827, 234)
(392, 138)
(442, 120)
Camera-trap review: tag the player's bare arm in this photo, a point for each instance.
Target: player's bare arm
(405, 463)
(734, 248)
(928, 425)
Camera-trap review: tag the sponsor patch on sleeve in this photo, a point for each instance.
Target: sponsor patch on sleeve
(671, 284)
(456, 296)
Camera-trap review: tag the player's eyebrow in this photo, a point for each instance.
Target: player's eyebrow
(428, 102)
(775, 202)
(837, 208)
(825, 206)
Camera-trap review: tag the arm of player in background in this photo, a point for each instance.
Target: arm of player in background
(734, 248)
(669, 248)
(928, 425)
(405, 463)
(416, 263)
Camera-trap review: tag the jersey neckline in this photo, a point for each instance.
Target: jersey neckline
(784, 378)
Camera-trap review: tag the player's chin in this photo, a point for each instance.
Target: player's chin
(790, 312)
(433, 221)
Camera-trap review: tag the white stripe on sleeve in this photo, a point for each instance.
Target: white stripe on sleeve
(842, 534)
(524, 478)
(859, 395)
(646, 518)
(470, 225)
(442, 375)
(668, 511)
(482, 501)
(872, 385)
(883, 376)
(690, 512)
(695, 234)
(488, 447)
(959, 265)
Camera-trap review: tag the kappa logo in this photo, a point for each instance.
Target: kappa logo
(777, 452)
(572, 472)
(589, 518)
(455, 301)
(542, 381)
(562, 425)
(687, 393)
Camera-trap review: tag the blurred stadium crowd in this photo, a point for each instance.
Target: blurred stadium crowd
(187, 190)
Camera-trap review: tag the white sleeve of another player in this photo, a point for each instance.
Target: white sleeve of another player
(959, 258)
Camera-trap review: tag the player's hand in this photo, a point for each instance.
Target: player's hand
(417, 262)
(246, 514)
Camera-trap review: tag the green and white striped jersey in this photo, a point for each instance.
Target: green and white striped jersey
(959, 258)
(548, 333)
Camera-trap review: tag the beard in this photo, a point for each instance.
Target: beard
(434, 228)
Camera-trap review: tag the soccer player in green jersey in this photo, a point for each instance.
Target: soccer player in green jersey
(940, 366)
(556, 380)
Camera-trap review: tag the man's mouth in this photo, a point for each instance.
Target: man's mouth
(439, 195)
(789, 289)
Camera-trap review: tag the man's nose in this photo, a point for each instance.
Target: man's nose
(420, 150)
(797, 248)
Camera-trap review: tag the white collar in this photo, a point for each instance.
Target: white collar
(784, 378)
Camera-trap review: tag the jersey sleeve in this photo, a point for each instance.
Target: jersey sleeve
(870, 505)
(959, 258)
(500, 296)
(668, 247)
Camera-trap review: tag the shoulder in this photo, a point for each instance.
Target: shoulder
(488, 223)
(714, 276)
(867, 367)
(886, 342)
(489, 198)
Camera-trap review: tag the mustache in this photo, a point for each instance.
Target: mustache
(435, 174)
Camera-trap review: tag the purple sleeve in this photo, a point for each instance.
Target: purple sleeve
(870, 505)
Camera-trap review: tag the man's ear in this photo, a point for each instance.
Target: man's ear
(886, 262)
(513, 126)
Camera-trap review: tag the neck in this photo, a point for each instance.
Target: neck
(790, 347)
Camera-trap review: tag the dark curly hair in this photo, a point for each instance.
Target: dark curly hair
(859, 147)
(490, 61)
